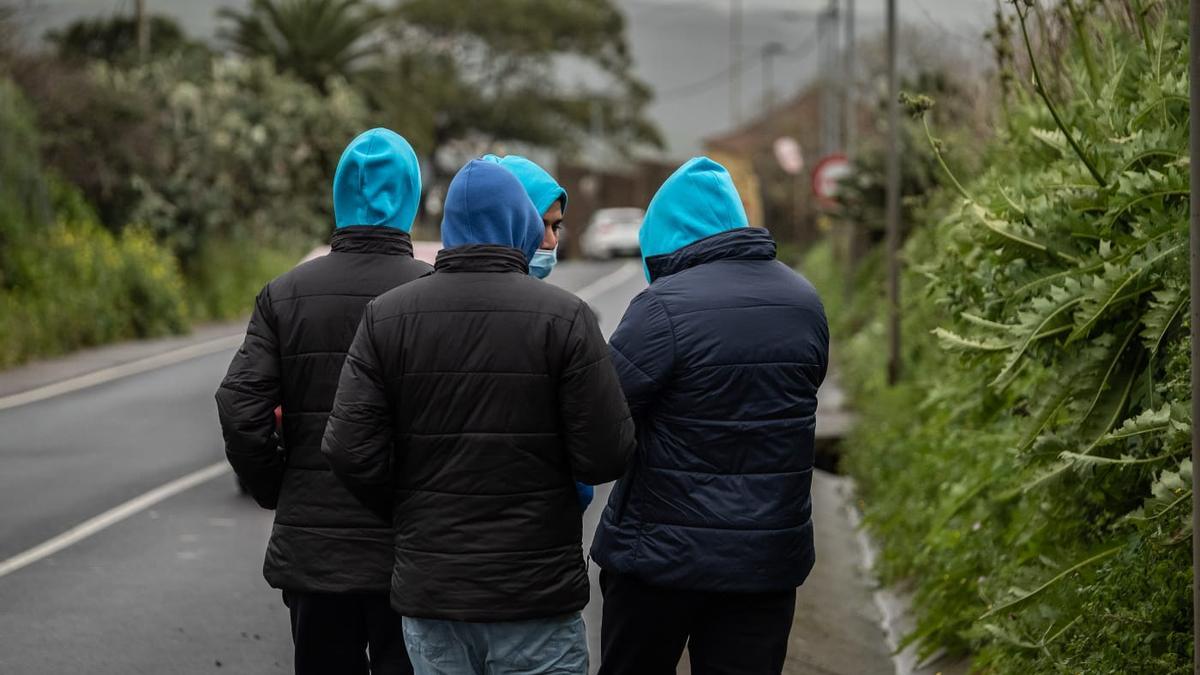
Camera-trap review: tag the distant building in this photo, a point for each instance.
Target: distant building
(773, 198)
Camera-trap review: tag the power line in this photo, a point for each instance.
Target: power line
(741, 65)
(941, 27)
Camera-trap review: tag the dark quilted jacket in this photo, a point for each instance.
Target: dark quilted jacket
(324, 539)
(720, 359)
(468, 402)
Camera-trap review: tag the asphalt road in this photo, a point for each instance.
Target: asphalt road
(177, 587)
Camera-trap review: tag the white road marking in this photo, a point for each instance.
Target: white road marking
(111, 517)
(609, 281)
(122, 370)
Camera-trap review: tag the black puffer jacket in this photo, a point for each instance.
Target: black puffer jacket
(324, 539)
(469, 401)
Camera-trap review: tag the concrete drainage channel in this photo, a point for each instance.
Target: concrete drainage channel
(893, 606)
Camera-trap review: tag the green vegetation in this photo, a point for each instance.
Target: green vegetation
(1030, 475)
(114, 40)
(492, 74)
(315, 40)
(65, 281)
(244, 156)
(199, 182)
(449, 71)
(141, 193)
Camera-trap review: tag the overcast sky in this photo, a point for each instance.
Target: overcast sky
(680, 47)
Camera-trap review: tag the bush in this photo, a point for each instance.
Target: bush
(210, 177)
(92, 136)
(75, 284)
(65, 281)
(249, 156)
(24, 202)
(228, 274)
(1034, 488)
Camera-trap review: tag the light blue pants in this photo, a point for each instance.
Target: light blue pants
(552, 646)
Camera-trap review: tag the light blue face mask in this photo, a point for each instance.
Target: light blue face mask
(543, 262)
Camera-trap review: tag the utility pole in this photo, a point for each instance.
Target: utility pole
(769, 52)
(851, 230)
(831, 73)
(599, 150)
(893, 200)
(596, 121)
(143, 30)
(1194, 140)
(735, 61)
(849, 84)
(827, 51)
(823, 80)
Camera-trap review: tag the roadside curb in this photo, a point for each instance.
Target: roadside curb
(897, 618)
(24, 380)
(886, 609)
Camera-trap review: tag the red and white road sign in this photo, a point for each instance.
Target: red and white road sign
(825, 177)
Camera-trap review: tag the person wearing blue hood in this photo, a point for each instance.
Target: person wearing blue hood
(330, 551)
(550, 200)
(470, 401)
(707, 535)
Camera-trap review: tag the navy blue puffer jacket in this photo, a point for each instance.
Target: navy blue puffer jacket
(720, 360)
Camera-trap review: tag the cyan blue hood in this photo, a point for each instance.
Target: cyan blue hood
(543, 190)
(487, 205)
(378, 182)
(697, 201)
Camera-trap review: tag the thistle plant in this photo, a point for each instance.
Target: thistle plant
(1036, 488)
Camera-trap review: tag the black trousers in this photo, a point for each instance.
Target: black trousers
(645, 629)
(351, 633)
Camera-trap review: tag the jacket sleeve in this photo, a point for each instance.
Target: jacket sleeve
(598, 432)
(358, 436)
(246, 401)
(643, 351)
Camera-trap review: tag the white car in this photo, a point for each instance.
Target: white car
(612, 232)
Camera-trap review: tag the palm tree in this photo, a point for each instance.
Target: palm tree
(312, 39)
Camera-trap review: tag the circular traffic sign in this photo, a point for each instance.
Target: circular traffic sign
(826, 175)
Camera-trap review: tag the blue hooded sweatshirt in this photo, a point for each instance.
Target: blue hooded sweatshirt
(378, 182)
(487, 205)
(543, 190)
(696, 202)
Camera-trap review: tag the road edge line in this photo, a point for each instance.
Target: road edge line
(111, 517)
(608, 282)
(119, 371)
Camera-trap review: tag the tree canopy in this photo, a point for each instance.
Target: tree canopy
(511, 70)
(540, 71)
(114, 39)
(311, 39)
